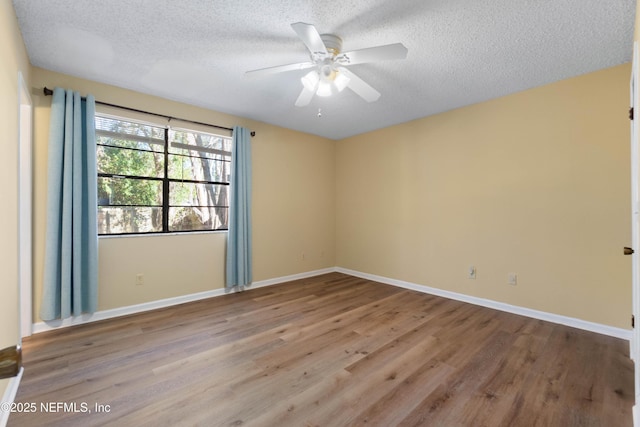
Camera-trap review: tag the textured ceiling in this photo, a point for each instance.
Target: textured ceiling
(196, 51)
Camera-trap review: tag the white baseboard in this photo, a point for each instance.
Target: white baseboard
(152, 305)
(522, 311)
(10, 396)
(290, 278)
(122, 311)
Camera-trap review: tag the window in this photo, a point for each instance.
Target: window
(157, 180)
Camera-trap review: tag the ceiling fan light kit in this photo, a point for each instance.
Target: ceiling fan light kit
(330, 74)
(325, 83)
(310, 80)
(341, 81)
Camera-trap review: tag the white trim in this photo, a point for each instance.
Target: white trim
(172, 233)
(635, 228)
(152, 305)
(522, 311)
(9, 396)
(25, 193)
(123, 311)
(292, 277)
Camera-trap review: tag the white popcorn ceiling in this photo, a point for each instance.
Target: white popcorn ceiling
(460, 51)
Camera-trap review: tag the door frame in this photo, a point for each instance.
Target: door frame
(25, 208)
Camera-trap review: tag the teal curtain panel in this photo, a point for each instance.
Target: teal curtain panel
(70, 284)
(239, 268)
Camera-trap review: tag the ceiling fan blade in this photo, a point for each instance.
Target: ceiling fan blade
(305, 97)
(372, 54)
(279, 69)
(359, 86)
(310, 37)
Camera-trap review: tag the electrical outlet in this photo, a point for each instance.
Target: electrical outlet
(513, 279)
(472, 272)
(139, 279)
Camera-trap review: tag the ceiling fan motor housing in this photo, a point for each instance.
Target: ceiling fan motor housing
(333, 43)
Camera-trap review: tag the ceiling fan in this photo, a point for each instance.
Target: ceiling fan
(329, 63)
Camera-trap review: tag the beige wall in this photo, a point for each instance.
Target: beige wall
(293, 209)
(536, 183)
(14, 60)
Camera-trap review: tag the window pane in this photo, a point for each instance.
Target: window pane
(188, 194)
(199, 144)
(122, 161)
(125, 191)
(126, 141)
(199, 168)
(131, 162)
(122, 133)
(129, 219)
(191, 218)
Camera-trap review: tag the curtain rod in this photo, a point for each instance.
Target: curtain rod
(49, 92)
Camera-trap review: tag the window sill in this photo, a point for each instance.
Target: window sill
(176, 233)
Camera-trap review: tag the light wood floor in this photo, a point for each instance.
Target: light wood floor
(333, 350)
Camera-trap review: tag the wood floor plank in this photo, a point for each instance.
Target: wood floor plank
(331, 350)
(446, 403)
(494, 396)
(355, 394)
(401, 398)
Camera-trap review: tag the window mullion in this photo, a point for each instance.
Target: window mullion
(165, 184)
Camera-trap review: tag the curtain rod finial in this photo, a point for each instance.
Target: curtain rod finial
(47, 91)
(253, 133)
